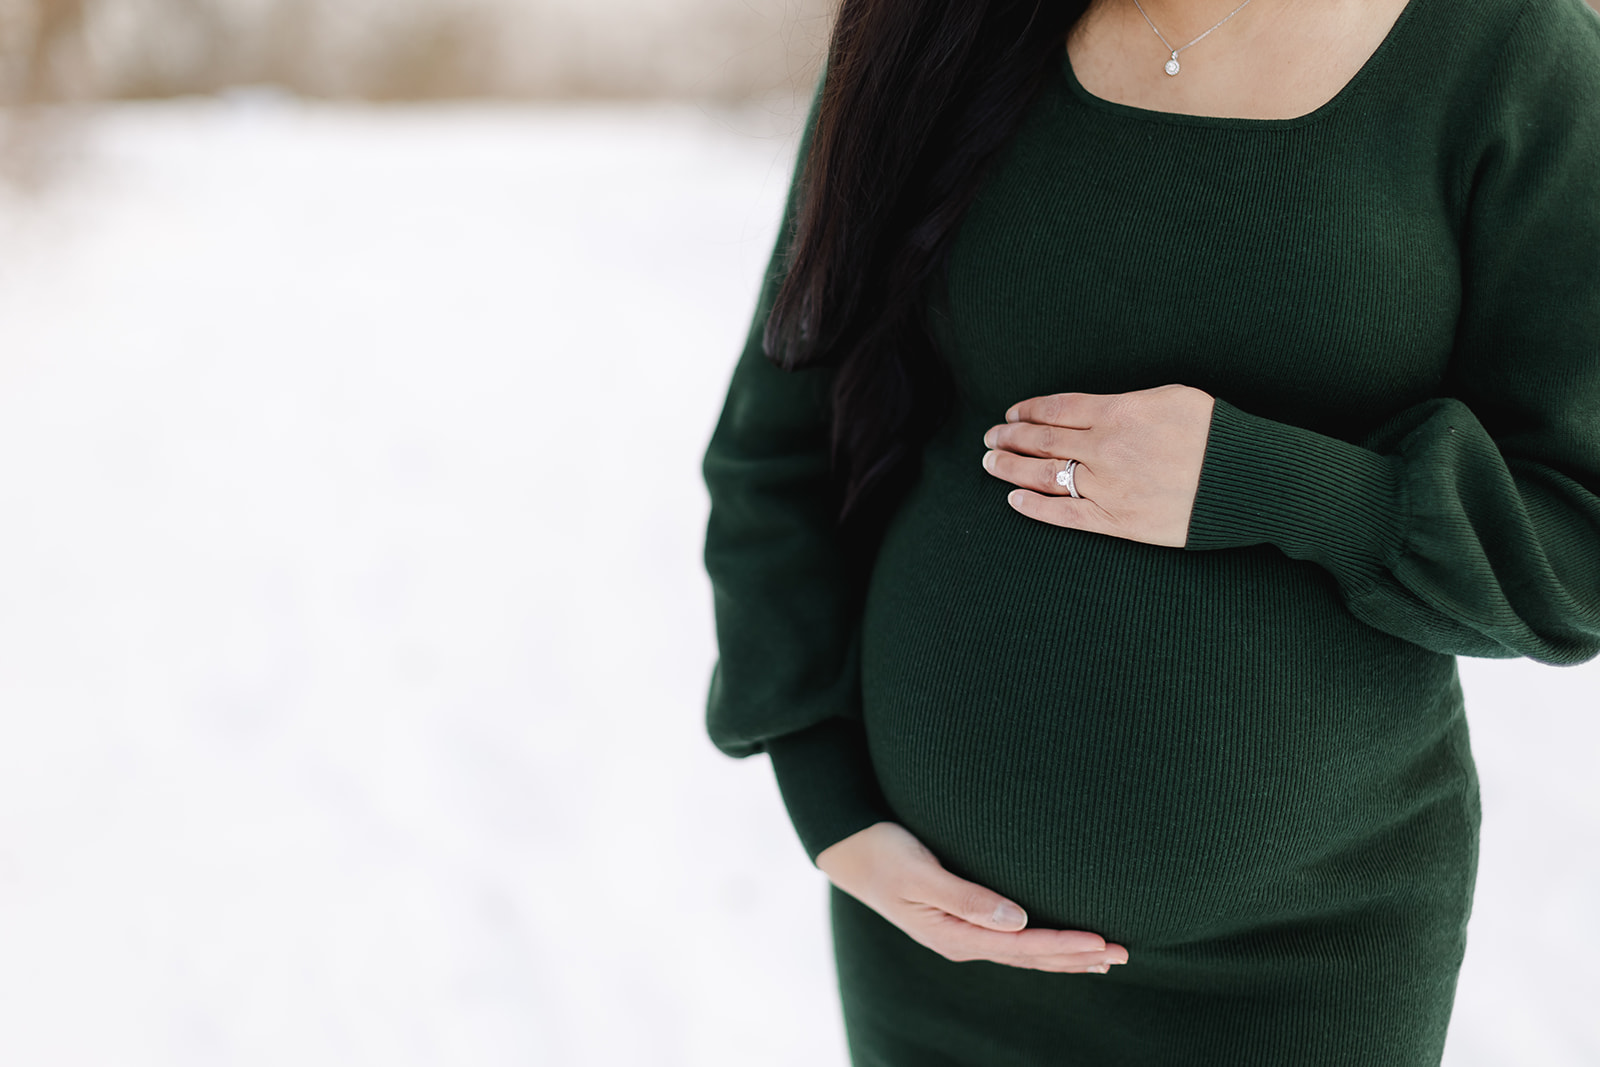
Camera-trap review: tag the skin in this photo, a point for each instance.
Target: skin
(1139, 453)
(1275, 59)
(1138, 456)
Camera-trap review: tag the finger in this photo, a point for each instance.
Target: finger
(1111, 956)
(974, 942)
(1070, 962)
(970, 902)
(1060, 409)
(965, 915)
(1039, 475)
(1059, 968)
(959, 941)
(1077, 964)
(1063, 511)
(1041, 439)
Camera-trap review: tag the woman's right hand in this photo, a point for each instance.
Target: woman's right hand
(890, 871)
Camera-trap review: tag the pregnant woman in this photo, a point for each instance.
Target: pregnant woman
(1147, 401)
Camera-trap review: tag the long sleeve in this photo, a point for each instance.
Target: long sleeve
(1469, 523)
(787, 678)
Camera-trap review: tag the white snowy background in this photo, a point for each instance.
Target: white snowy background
(354, 638)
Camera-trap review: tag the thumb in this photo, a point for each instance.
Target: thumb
(974, 903)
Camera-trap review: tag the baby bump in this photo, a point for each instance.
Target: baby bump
(1154, 744)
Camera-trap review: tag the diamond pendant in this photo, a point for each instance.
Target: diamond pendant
(1172, 64)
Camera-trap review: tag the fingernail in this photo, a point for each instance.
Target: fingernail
(1011, 416)
(988, 461)
(1102, 969)
(988, 438)
(1009, 915)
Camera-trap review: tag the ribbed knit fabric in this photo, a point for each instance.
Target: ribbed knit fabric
(1246, 760)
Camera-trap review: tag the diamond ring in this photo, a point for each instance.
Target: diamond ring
(1064, 477)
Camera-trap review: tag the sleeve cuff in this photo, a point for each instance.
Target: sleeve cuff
(1316, 497)
(826, 779)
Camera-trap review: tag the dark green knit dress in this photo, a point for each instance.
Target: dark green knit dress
(1246, 760)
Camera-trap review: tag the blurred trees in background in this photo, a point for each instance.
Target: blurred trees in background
(56, 50)
(61, 52)
(52, 50)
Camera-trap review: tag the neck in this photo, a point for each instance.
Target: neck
(1180, 20)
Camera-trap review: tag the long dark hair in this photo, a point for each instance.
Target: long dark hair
(917, 96)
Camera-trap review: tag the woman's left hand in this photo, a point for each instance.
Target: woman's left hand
(1138, 453)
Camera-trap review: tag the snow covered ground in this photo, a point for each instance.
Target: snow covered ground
(353, 637)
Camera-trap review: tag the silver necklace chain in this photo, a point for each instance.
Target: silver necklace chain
(1172, 64)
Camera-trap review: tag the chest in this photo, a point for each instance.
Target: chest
(1266, 59)
(1104, 254)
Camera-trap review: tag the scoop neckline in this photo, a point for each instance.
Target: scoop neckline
(1240, 122)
